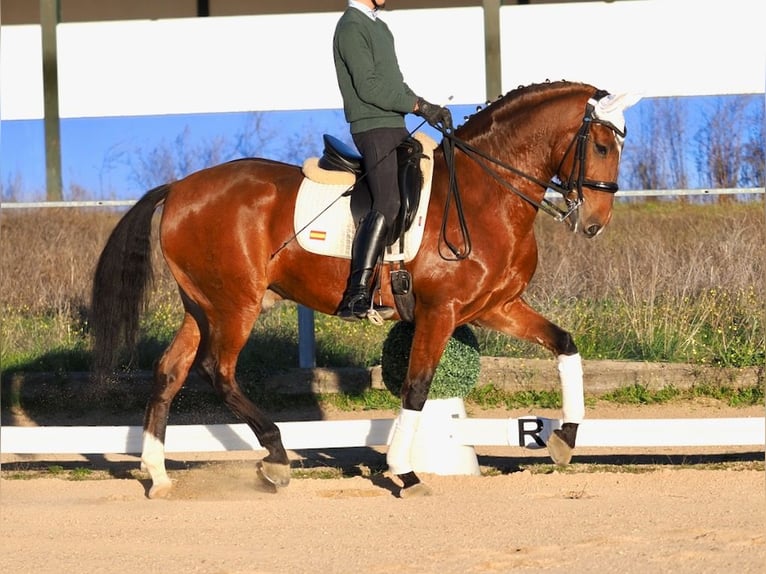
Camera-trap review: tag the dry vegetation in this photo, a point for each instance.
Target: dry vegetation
(666, 281)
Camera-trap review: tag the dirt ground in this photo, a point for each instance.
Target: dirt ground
(667, 514)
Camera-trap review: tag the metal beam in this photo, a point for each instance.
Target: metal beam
(494, 81)
(50, 16)
(306, 338)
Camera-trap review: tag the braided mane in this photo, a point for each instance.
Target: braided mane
(480, 123)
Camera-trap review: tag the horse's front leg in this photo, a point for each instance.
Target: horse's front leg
(428, 344)
(518, 319)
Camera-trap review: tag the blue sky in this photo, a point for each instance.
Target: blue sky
(103, 155)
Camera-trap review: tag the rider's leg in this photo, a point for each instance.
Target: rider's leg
(369, 242)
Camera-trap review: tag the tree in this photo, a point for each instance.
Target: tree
(730, 145)
(655, 158)
(754, 156)
(171, 161)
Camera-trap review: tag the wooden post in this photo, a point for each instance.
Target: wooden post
(50, 15)
(494, 83)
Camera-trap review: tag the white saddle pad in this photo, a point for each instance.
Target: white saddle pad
(323, 221)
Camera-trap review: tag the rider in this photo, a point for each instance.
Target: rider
(375, 101)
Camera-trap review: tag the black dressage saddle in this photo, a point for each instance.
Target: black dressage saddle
(338, 156)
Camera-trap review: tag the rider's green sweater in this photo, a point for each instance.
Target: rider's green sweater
(372, 86)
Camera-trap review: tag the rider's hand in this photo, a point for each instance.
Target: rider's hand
(434, 114)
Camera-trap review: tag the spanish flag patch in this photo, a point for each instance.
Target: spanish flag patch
(317, 235)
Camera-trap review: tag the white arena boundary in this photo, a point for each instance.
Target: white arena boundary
(528, 432)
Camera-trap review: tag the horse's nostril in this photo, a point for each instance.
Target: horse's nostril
(592, 230)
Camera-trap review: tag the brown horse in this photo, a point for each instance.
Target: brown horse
(226, 234)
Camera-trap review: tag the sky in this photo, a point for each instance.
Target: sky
(103, 156)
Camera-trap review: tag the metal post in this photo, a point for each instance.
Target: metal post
(50, 15)
(494, 84)
(306, 341)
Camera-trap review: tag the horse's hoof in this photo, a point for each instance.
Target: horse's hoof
(415, 491)
(160, 489)
(560, 451)
(273, 474)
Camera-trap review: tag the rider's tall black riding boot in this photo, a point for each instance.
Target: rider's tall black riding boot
(369, 242)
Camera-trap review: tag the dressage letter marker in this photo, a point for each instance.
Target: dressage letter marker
(534, 432)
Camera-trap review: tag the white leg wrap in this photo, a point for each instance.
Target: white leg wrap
(572, 392)
(400, 446)
(153, 459)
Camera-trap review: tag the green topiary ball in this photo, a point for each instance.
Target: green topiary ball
(458, 369)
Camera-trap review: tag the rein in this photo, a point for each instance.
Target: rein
(575, 182)
(448, 143)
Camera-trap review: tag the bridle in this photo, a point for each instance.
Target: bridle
(577, 180)
(573, 185)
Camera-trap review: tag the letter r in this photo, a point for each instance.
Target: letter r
(533, 432)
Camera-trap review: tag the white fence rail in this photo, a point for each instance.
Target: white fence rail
(529, 432)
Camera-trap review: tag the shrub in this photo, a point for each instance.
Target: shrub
(456, 374)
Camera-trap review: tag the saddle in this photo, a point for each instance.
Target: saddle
(338, 156)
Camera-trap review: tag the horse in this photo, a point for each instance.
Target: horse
(227, 237)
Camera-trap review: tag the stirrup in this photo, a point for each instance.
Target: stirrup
(376, 314)
(354, 308)
(379, 315)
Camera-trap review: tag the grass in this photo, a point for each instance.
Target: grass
(734, 396)
(711, 330)
(372, 399)
(18, 472)
(492, 397)
(486, 397)
(667, 282)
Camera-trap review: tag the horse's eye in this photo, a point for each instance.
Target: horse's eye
(601, 149)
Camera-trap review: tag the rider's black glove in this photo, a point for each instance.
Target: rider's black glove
(434, 114)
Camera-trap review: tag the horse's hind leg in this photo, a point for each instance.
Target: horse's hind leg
(219, 360)
(170, 373)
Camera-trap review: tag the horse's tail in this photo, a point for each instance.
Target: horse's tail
(120, 282)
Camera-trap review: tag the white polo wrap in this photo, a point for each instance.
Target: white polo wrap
(572, 391)
(153, 458)
(399, 457)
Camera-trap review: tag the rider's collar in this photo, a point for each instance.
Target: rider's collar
(371, 13)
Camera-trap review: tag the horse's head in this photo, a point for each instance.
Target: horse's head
(589, 165)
